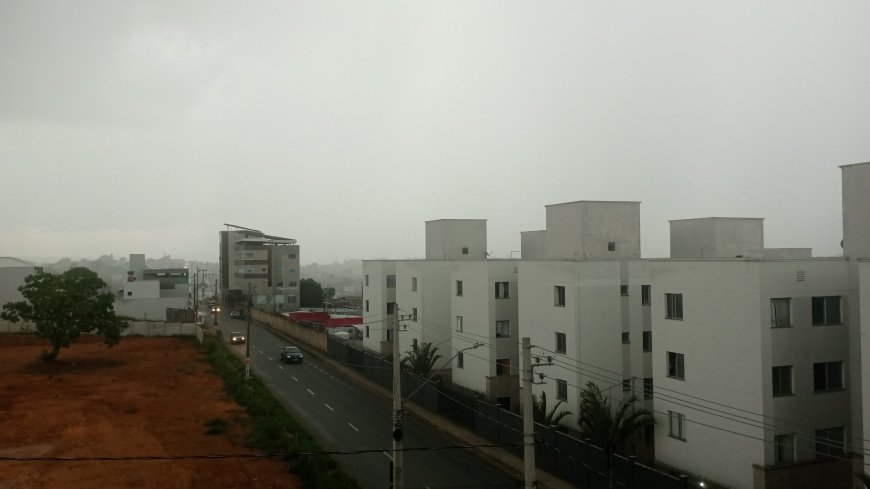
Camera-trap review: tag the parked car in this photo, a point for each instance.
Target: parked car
(291, 354)
(237, 337)
(237, 314)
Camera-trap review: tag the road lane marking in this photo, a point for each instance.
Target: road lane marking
(294, 378)
(310, 391)
(281, 367)
(352, 426)
(328, 407)
(270, 358)
(388, 456)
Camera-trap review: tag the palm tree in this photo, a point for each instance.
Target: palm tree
(609, 429)
(420, 359)
(864, 478)
(539, 409)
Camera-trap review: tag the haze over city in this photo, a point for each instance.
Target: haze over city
(142, 127)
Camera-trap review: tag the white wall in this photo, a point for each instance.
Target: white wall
(533, 245)
(148, 309)
(577, 230)
(446, 238)
(142, 289)
(856, 208)
(432, 300)
(378, 295)
(717, 237)
(10, 279)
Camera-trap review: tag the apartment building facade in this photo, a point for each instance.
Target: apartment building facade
(264, 266)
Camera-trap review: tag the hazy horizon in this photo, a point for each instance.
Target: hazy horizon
(143, 127)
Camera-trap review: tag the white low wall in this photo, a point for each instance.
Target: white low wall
(138, 328)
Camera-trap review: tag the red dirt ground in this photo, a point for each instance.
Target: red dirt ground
(144, 397)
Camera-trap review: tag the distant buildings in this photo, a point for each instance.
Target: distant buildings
(264, 266)
(12, 274)
(149, 292)
(750, 357)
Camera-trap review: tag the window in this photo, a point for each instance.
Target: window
(647, 341)
(281, 284)
(391, 281)
(783, 449)
(676, 365)
(648, 388)
(561, 390)
(827, 376)
(780, 313)
(292, 284)
(414, 314)
(413, 284)
(414, 343)
(502, 290)
(459, 288)
(626, 338)
(674, 305)
(460, 360)
(559, 295)
(292, 256)
(391, 307)
(390, 334)
(830, 442)
(129, 294)
(503, 366)
(367, 280)
(367, 331)
(502, 329)
(626, 385)
(826, 310)
(644, 295)
(623, 290)
(464, 250)
(367, 305)
(561, 343)
(459, 323)
(677, 425)
(782, 381)
(611, 246)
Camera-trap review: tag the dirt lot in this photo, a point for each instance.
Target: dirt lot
(145, 397)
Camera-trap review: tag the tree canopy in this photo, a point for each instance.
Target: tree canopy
(541, 415)
(310, 293)
(64, 306)
(606, 428)
(420, 359)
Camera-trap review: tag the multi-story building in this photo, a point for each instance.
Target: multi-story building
(750, 357)
(149, 292)
(264, 266)
(12, 274)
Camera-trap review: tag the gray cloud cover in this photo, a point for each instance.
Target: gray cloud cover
(143, 126)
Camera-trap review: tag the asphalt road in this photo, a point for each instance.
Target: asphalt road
(343, 415)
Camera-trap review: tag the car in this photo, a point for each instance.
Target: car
(236, 314)
(237, 337)
(291, 354)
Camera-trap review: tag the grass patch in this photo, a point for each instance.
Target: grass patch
(215, 426)
(274, 430)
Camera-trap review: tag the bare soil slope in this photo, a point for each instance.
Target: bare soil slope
(145, 397)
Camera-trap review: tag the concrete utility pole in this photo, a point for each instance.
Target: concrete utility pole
(248, 338)
(528, 418)
(398, 475)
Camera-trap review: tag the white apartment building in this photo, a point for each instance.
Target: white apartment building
(750, 357)
(149, 292)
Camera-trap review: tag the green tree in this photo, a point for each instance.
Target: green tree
(420, 359)
(539, 410)
(310, 293)
(63, 306)
(328, 294)
(609, 429)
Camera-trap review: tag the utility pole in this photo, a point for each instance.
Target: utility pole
(398, 475)
(528, 413)
(528, 418)
(248, 338)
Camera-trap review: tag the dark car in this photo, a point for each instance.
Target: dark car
(237, 337)
(237, 314)
(291, 354)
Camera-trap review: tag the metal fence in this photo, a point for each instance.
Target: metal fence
(562, 455)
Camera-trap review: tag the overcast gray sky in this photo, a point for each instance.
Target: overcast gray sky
(132, 127)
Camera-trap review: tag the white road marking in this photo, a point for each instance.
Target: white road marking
(352, 426)
(281, 367)
(328, 407)
(310, 391)
(270, 358)
(294, 378)
(388, 456)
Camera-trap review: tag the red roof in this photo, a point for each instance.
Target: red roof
(324, 319)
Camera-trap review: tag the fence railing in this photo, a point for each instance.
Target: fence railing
(560, 454)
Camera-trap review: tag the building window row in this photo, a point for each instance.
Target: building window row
(827, 376)
(559, 296)
(676, 365)
(826, 311)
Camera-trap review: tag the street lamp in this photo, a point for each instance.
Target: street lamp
(216, 310)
